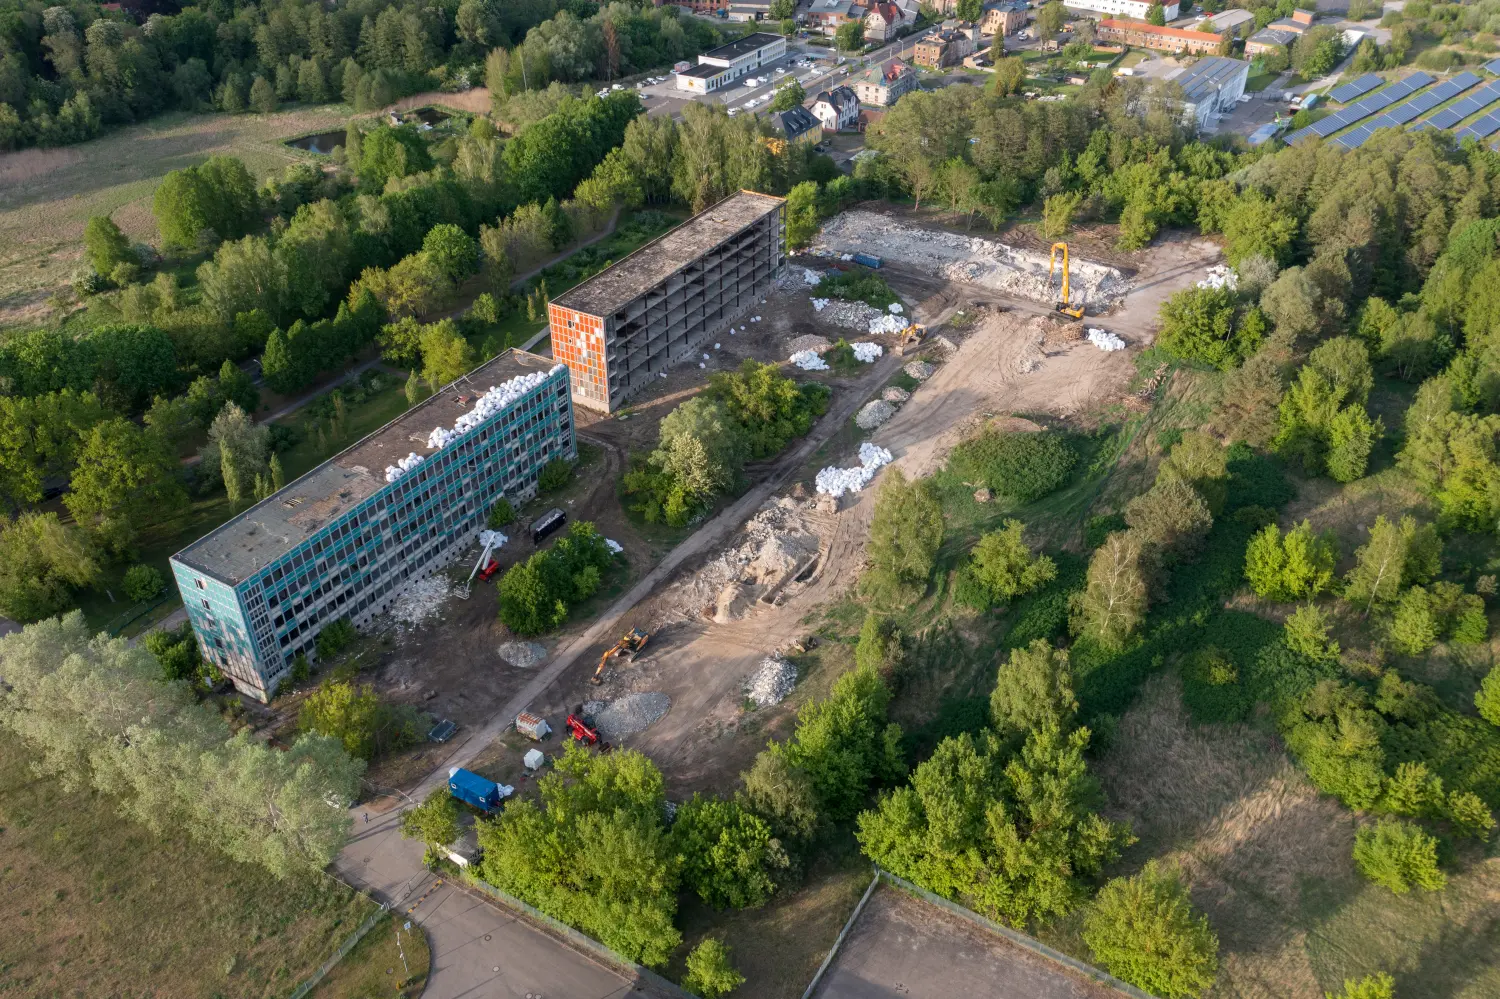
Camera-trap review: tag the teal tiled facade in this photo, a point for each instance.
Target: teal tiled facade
(258, 595)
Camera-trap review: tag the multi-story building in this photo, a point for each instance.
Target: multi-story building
(1151, 36)
(722, 66)
(798, 125)
(828, 15)
(630, 322)
(1003, 17)
(1137, 9)
(884, 84)
(837, 109)
(1211, 87)
(342, 540)
(884, 22)
(942, 48)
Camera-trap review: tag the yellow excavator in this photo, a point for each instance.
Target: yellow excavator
(1064, 306)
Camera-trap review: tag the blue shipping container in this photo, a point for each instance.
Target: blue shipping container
(866, 260)
(465, 785)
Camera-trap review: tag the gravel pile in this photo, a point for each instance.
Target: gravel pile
(627, 715)
(895, 393)
(771, 683)
(523, 655)
(809, 341)
(920, 370)
(874, 413)
(420, 601)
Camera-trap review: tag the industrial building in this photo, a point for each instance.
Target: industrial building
(1211, 87)
(1138, 9)
(342, 540)
(722, 66)
(630, 322)
(1139, 34)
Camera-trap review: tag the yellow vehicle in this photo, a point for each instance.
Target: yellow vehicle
(1064, 305)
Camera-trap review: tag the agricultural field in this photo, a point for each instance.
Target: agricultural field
(99, 905)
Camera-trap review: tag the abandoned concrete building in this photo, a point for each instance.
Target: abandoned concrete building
(630, 322)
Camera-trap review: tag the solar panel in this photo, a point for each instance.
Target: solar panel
(1493, 66)
(1486, 126)
(1374, 104)
(1357, 88)
(1473, 104)
(1403, 113)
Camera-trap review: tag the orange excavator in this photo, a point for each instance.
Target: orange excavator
(630, 645)
(1065, 306)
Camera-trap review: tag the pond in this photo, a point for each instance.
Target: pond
(322, 143)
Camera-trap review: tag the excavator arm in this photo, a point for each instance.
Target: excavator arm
(1065, 304)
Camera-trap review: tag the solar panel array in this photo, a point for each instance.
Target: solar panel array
(1358, 112)
(1475, 102)
(1358, 88)
(1493, 66)
(1418, 105)
(1488, 125)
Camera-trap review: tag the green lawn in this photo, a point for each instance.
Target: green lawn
(1259, 82)
(99, 906)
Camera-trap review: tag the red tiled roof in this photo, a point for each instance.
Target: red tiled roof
(1156, 29)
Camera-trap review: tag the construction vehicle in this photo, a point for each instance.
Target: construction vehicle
(630, 645)
(911, 339)
(489, 570)
(581, 728)
(1064, 305)
(490, 540)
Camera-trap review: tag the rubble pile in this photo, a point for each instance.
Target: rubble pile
(972, 259)
(895, 393)
(887, 323)
(920, 370)
(850, 315)
(627, 715)
(808, 361)
(809, 341)
(523, 655)
(420, 600)
(867, 353)
(1220, 276)
(873, 414)
(836, 482)
(770, 683)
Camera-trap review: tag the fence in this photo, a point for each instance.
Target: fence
(344, 948)
(1021, 940)
(580, 941)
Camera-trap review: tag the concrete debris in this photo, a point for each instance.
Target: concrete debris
(809, 341)
(887, 323)
(1220, 276)
(895, 307)
(420, 600)
(874, 413)
(851, 315)
(614, 546)
(973, 259)
(627, 715)
(1105, 340)
(808, 361)
(835, 482)
(920, 370)
(982, 495)
(523, 655)
(493, 401)
(819, 304)
(773, 548)
(896, 394)
(867, 353)
(812, 277)
(771, 683)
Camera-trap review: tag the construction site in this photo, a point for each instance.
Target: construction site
(702, 647)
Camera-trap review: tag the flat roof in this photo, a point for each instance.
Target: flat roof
(611, 289)
(743, 46)
(1157, 29)
(704, 70)
(243, 546)
(1207, 77)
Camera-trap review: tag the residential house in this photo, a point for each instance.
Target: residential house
(837, 109)
(827, 15)
(884, 84)
(884, 22)
(1003, 17)
(1150, 36)
(798, 125)
(940, 49)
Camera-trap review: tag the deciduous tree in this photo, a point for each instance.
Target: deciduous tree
(1144, 930)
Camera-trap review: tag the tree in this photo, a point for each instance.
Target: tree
(1050, 18)
(1143, 929)
(242, 449)
(502, 514)
(1170, 519)
(969, 10)
(1114, 599)
(879, 647)
(791, 95)
(452, 251)
(1202, 463)
(1155, 14)
(1010, 74)
(783, 795)
(104, 245)
(434, 822)
(700, 448)
(843, 743)
(262, 96)
(125, 480)
(1203, 324)
(1032, 691)
(446, 355)
(727, 853)
(42, 563)
(1299, 566)
(783, 9)
(1487, 698)
(1414, 626)
(1252, 393)
(143, 583)
(179, 655)
(709, 971)
(1398, 855)
(1306, 633)
(849, 36)
(802, 214)
(352, 715)
(1057, 213)
(1001, 568)
(906, 530)
(1376, 986)
(1396, 555)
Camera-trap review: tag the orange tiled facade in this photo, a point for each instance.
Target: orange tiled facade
(578, 341)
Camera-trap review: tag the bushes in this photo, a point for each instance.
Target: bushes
(1001, 568)
(768, 409)
(858, 284)
(1291, 568)
(1143, 930)
(358, 719)
(709, 973)
(1206, 325)
(1399, 856)
(536, 595)
(727, 853)
(905, 532)
(554, 475)
(502, 514)
(143, 583)
(1024, 467)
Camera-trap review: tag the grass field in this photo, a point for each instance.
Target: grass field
(99, 906)
(46, 195)
(391, 962)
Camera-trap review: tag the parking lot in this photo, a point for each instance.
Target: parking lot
(813, 69)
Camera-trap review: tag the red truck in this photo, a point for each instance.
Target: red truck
(489, 570)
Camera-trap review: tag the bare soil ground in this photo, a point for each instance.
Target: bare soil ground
(1269, 861)
(901, 945)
